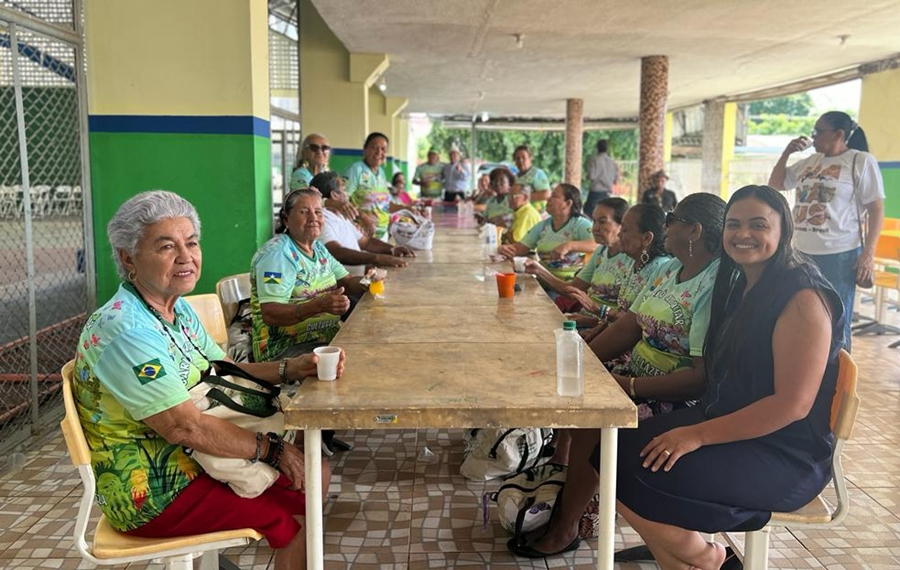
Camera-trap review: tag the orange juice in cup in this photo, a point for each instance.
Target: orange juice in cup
(376, 287)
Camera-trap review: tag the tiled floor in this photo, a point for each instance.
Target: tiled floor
(393, 506)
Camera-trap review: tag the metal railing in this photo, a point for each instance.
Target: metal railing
(45, 248)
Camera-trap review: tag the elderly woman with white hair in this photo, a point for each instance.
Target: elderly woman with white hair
(136, 359)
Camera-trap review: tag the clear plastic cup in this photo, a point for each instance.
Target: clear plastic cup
(519, 263)
(376, 287)
(326, 367)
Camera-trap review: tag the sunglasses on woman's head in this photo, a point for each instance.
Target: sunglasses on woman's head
(671, 217)
(317, 147)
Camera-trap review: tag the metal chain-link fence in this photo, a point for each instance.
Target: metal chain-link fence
(43, 287)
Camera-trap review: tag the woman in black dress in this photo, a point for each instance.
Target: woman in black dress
(760, 439)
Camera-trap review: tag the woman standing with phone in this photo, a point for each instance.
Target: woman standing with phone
(838, 188)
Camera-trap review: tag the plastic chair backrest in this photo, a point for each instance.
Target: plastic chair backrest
(845, 405)
(71, 424)
(231, 291)
(209, 309)
(891, 224)
(887, 247)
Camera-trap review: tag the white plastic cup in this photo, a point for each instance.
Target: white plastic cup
(326, 367)
(519, 263)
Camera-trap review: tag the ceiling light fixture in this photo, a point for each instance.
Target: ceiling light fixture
(382, 84)
(520, 40)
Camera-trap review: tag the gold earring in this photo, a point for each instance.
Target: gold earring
(132, 276)
(690, 248)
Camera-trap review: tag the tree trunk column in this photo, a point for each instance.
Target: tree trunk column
(574, 128)
(654, 93)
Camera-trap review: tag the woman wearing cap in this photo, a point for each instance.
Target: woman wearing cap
(658, 194)
(836, 187)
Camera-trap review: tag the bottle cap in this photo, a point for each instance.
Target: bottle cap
(568, 325)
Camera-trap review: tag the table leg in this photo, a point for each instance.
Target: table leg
(312, 446)
(607, 538)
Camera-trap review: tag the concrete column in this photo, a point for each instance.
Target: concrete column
(393, 106)
(654, 95)
(335, 87)
(159, 118)
(574, 136)
(403, 149)
(879, 117)
(719, 122)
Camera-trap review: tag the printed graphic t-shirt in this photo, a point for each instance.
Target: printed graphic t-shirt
(539, 181)
(606, 273)
(542, 238)
(825, 213)
(673, 317)
(129, 365)
(281, 272)
(369, 192)
(434, 187)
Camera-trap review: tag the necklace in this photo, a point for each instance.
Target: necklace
(165, 327)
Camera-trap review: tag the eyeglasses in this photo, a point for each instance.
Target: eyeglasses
(817, 132)
(317, 147)
(670, 217)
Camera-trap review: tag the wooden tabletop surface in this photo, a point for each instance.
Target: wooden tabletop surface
(442, 350)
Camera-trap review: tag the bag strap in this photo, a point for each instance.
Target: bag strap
(859, 216)
(518, 535)
(221, 381)
(493, 453)
(232, 369)
(222, 398)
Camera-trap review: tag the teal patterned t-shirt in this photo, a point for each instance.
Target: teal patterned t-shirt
(674, 317)
(281, 272)
(130, 365)
(635, 281)
(542, 238)
(368, 190)
(605, 273)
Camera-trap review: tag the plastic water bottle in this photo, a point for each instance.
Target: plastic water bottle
(569, 361)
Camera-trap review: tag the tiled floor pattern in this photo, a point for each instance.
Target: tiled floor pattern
(394, 505)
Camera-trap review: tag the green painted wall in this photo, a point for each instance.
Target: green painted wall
(891, 192)
(226, 177)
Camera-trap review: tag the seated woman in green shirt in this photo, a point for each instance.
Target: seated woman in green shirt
(562, 240)
(596, 287)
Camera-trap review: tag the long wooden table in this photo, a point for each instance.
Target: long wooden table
(470, 359)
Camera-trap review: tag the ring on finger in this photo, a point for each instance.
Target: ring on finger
(667, 452)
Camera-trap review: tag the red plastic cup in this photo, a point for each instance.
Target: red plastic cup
(506, 285)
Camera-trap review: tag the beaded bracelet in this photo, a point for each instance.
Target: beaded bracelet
(276, 449)
(603, 312)
(259, 438)
(270, 452)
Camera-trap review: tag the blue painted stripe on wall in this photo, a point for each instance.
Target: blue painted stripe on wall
(894, 164)
(181, 124)
(346, 152)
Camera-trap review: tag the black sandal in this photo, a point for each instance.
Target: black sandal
(529, 551)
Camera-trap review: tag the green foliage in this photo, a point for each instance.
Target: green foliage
(781, 125)
(548, 147)
(797, 105)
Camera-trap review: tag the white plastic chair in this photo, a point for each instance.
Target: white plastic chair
(111, 547)
(231, 291)
(819, 513)
(209, 309)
